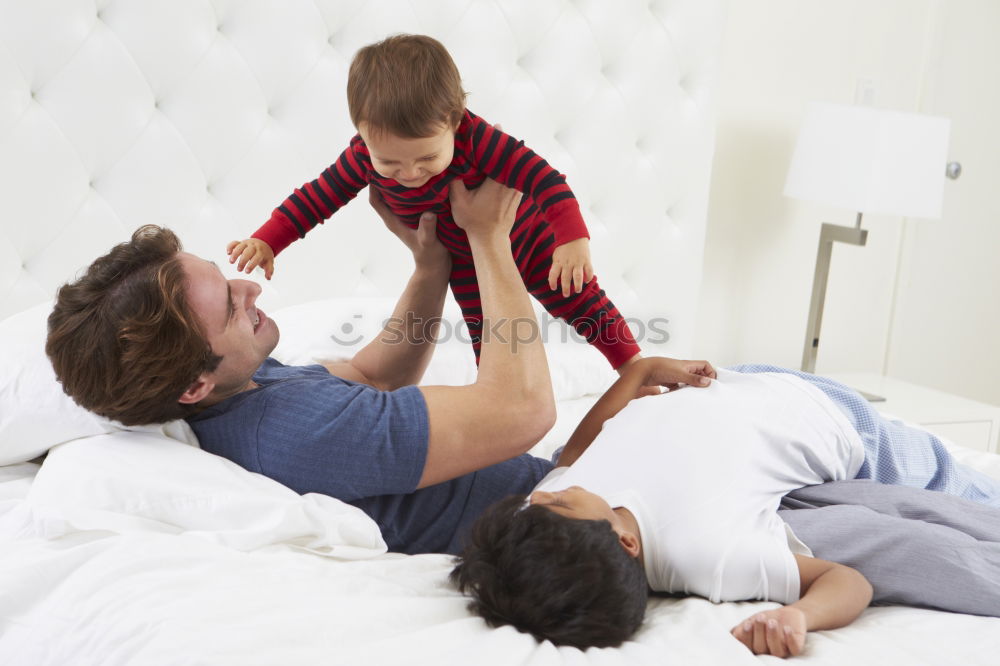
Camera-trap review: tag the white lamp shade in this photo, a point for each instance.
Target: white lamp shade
(870, 160)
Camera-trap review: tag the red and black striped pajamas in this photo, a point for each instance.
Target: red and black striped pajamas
(548, 216)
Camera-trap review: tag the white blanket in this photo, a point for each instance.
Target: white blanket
(135, 547)
(139, 550)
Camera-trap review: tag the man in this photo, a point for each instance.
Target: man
(151, 334)
(680, 493)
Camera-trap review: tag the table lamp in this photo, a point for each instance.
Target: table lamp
(869, 161)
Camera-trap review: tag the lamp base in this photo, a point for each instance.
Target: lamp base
(871, 397)
(828, 235)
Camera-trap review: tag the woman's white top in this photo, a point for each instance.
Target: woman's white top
(703, 471)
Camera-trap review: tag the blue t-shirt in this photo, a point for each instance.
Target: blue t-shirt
(317, 433)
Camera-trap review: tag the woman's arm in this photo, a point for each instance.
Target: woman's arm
(832, 596)
(653, 371)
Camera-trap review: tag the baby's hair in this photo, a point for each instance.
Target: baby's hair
(560, 579)
(406, 85)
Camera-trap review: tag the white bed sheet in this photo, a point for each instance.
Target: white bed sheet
(105, 582)
(135, 547)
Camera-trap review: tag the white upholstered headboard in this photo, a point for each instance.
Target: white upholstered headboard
(202, 115)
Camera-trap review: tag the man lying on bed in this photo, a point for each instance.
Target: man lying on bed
(680, 492)
(150, 334)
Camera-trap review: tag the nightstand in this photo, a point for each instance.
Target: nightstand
(975, 425)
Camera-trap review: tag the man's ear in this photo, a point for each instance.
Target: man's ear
(630, 542)
(198, 391)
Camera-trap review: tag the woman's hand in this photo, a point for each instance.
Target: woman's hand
(428, 251)
(780, 632)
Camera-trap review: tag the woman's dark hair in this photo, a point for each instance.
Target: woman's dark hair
(560, 579)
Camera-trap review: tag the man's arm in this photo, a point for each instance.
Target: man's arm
(895, 535)
(653, 371)
(400, 354)
(832, 596)
(510, 406)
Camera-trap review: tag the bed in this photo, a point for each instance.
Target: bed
(133, 546)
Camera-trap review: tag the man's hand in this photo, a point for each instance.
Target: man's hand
(780, 632)
(571, 266)
(671, 372)
(428, 252)
(832, 596)
(654, 371)
(251, 253)
(489, 210)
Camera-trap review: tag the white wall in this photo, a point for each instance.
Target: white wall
(761, 247)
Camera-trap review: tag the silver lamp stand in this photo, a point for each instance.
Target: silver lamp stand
(829, 234)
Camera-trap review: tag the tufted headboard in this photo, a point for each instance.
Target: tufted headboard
(202, 115)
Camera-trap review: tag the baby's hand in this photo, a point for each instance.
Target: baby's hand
(571, 266)
(252, 253)
(781, 632)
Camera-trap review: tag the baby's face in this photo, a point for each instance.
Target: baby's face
(410, 162)
(575, 502)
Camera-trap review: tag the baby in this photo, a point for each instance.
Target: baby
(415, 140)
(682, 492)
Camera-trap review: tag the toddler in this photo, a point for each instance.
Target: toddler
(415, 139)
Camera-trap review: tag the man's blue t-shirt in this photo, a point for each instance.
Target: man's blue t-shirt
(317, 433)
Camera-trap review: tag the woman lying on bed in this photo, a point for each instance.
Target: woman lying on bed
(680, 492)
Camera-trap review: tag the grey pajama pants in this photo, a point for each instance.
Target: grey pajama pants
(916, 547)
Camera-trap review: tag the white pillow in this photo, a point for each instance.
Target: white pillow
(142, 481)
(35, 413)
(339, 328)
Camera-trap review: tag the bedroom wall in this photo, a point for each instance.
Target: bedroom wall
(948, 312)
(202, 115)
(885, 310)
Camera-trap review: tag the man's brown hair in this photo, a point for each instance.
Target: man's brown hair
(122, 339)
(406, 85)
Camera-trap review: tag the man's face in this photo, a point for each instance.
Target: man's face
(410, 162)
(577, 503)
(236, 329)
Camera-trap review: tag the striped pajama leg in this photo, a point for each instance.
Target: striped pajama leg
(591, 312)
